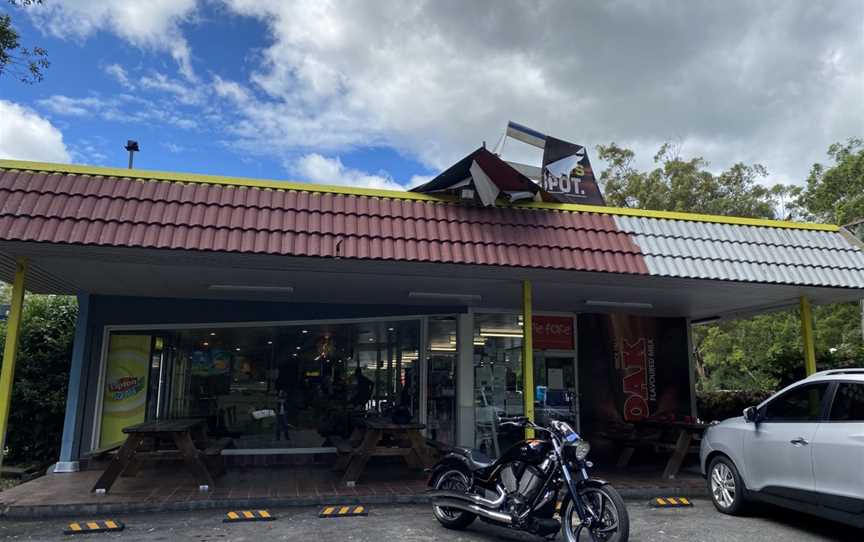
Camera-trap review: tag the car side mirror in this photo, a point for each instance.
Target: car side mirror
(751, 415)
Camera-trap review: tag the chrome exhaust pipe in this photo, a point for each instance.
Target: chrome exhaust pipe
(500, 517)
(472, 499)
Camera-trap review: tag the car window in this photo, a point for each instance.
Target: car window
(848, 403)
(801, 404)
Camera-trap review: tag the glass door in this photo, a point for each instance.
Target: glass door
(557, 393)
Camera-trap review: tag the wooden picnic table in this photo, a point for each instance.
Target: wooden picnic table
(654, 434)
(190, 443)
(372, 435)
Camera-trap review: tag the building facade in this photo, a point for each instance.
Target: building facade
(282, 312)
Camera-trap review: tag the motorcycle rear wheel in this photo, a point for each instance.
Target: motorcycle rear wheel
(453, 480)
(607, 505)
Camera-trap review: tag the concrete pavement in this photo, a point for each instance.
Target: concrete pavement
(415, 523)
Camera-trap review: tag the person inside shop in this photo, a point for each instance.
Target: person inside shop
(363, 392)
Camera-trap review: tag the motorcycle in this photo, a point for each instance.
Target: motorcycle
(523, 488)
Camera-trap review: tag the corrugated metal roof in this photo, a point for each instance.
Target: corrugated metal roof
(678, 248)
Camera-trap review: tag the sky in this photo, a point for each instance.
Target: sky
(385, 94)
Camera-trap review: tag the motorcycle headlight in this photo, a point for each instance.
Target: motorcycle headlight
(579, 449)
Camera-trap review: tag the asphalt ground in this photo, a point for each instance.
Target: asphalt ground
(415, 523)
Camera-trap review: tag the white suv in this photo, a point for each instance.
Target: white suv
(803, 448)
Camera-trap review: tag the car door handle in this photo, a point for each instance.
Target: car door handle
(800, 441)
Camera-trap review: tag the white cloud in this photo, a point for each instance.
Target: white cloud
(769, 82)
(24, 135)
(149, 24)
(117, 72)
(320, 169)
(182, 91)
(122, 108)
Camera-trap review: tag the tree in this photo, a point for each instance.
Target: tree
(27, 64)
(41, 377)
(835, 194)
(679, 184)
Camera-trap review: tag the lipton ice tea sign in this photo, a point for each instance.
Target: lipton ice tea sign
(124, 398)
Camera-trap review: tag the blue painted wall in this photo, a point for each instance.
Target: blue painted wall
(102, 311)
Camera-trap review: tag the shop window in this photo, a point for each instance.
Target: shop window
(441, 362)
(497, 379)
(267, 387)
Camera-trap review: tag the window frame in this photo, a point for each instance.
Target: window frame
(827, 400)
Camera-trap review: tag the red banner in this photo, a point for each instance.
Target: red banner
(553, 333)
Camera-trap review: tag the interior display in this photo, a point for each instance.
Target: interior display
(266, 386)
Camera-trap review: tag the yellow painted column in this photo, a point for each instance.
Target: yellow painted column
(807, 336)
(10, 350)
(527, 355)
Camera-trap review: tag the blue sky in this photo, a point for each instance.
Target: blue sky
(386, 95)
(102, 90)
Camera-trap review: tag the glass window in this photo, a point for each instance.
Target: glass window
(441, 356)
(266, 386)
(801, 404)
(848, 403)
(497, 380)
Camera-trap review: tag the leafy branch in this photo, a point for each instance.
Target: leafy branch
(27, 64)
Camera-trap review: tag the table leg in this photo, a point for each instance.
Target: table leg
(418, 445)
(192, 457)
(682, 446)
(124, 456)
(361, 455)
(625, 457)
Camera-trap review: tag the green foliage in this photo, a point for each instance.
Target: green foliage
(835, 194)
(720, 405)
(679, 184)
(27, 64)
(41, 378)
(766, 352)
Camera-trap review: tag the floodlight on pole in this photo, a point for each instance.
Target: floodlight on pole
(132, 147)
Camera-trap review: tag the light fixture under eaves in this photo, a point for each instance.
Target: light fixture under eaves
(445, 296)
(703, 321)
(251, 288)
(619, 304)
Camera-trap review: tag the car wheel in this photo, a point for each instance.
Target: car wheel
(725, 485)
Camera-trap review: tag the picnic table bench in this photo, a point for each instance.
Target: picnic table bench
(377, 438)
(161, 440)
(677, 438)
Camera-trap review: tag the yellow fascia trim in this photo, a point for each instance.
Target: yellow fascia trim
(675, 215)
(144, 174)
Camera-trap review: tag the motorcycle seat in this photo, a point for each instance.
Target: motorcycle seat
(477, 460)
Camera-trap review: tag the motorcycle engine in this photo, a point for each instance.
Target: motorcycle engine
(522, 482)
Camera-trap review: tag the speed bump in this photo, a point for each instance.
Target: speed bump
(248, 515)
(670, 502)
(343, 511)
(94, 526)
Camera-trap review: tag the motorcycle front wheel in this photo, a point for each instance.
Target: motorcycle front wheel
(605, 505)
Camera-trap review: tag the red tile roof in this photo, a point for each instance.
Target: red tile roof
(77, 208)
